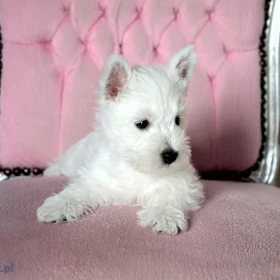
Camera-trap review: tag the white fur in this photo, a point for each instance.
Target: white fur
(119, 164)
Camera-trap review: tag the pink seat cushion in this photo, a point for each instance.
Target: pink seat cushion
(54, 51)
(234, 236)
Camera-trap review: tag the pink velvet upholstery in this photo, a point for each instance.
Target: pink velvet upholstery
(235, 236)
(54, 51)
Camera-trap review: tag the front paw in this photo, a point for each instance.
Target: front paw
(56, 210)
(167, 220)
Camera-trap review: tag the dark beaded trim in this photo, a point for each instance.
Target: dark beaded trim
(222, 174)
(17, 171)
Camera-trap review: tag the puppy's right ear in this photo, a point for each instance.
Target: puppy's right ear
(116, 75)
(182, 65)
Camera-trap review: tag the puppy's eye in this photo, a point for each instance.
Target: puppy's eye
(177, 120)
(142, 124)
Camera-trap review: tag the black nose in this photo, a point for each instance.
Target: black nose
(168, 156)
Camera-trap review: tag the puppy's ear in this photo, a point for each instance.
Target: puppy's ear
(116, 75)
(182, 65)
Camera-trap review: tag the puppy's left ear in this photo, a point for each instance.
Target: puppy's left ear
(182, 65)
(117, 73)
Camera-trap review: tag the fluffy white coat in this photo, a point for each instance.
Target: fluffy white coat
(120, 163)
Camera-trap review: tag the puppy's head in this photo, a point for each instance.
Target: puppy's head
(143, 111)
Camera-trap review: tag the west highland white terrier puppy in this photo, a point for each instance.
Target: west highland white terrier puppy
(139, 153)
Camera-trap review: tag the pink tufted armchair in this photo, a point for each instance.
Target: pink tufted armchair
(52, 53)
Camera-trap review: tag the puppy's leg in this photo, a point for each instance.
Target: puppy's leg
(79, 197)
(167, 205)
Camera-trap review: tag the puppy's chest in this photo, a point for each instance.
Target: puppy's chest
(123, 178)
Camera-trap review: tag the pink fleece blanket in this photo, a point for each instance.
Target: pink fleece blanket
(234, 237)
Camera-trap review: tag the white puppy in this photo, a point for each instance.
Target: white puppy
(139, 152)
